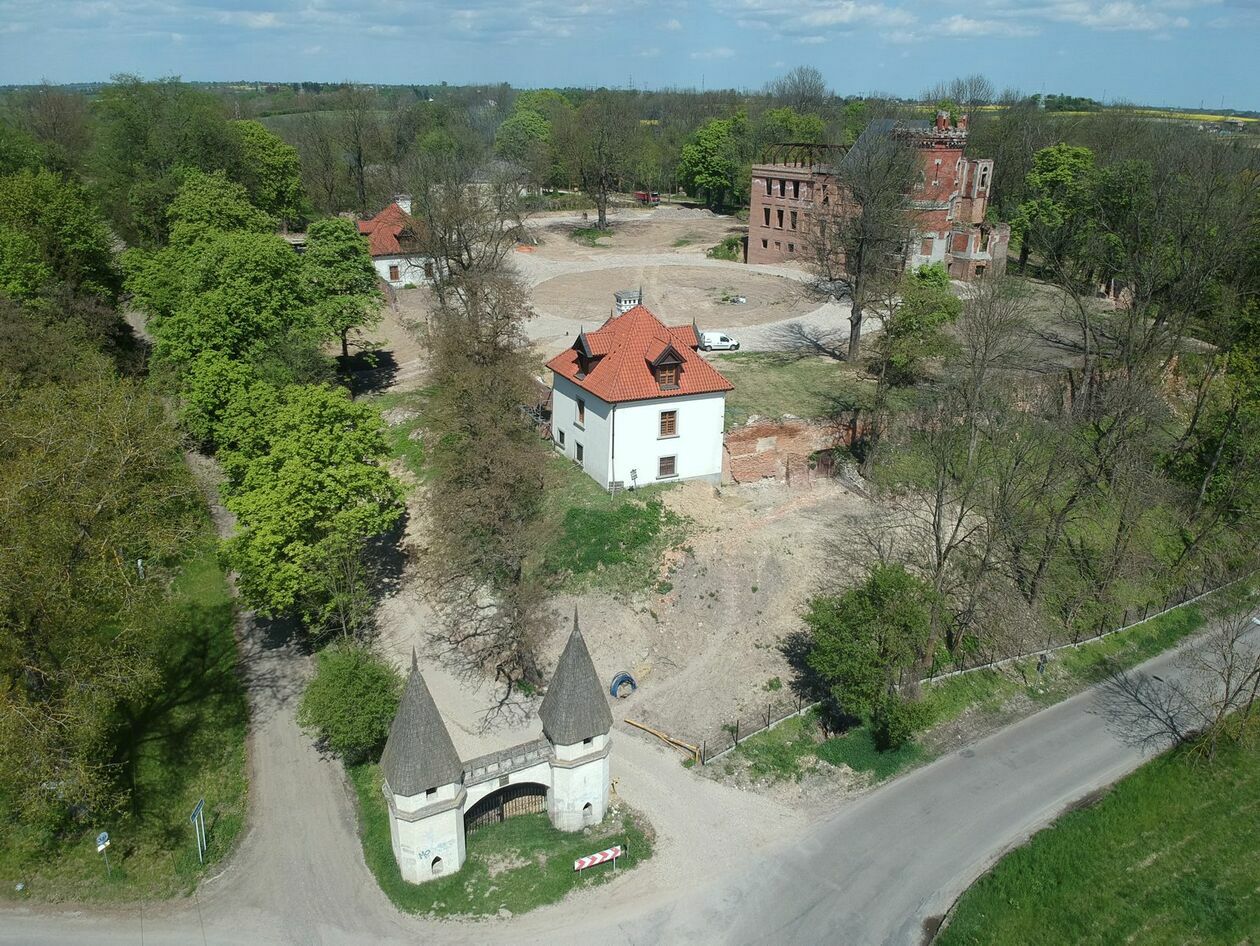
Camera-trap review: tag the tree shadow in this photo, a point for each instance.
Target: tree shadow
(808, 684)
(368, 371)
(793, 341)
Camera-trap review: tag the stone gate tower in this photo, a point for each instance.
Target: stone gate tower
(428, 788)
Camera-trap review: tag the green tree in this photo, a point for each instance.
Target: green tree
(592, 141)
(343, 279)
(209, 203)
(351, 701)
(711, 160)
(866, 640)
(212, 386)
(521, 134)
(318, 479)
(1051, 220)
(272, 171)
(23, 274)
(18, 150)
(913, 325)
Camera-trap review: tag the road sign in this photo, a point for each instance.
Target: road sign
(611, 854)
(102, 842)
(198, 820)
(196, 811)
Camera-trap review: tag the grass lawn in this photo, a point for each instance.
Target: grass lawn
(814, 387)
(785, 752)
(186, 744)
(517, 865)
(1171, 855)
(598, 539)
(399, 437)
(590, 236)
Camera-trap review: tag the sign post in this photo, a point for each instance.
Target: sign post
(198, 820)
(611, 854)
(102, 847)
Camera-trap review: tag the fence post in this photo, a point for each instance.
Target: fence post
(737, 730)
(704, 755)
(767, 716)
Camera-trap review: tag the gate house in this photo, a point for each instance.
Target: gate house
(435, 799)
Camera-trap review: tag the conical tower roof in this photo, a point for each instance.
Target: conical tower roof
(419, 754)
(574, 708)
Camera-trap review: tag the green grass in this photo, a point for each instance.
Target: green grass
(1170, 856)
(782, 753)
(590, 236)
(604, 540)
(813, 387)
(402, 443)
(730, 249)
(186, 743)
(531, 860)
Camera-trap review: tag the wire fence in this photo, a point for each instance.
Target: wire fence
(756, 719)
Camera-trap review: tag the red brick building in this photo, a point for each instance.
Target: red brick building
(950, 197)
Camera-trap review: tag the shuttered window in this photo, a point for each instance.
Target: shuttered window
(669, 423)
(667, 376)
(669, 467)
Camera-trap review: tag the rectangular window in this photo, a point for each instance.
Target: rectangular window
(393, 272)
(791, 247)
(428, 269)
(765, 244)
(669, 423)
(667, 376)
(769, 187)
(793, 219)
(766, 213)
(779, 218)
(581, 412)
(778, 245)
(561, 433)
(796, 189)
(430, 792)
(782, 187)
(577, 452)
(668, 467)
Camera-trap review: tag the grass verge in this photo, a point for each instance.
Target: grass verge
(793, 748)
(185, 744)
(590, 236)
(596, 539)
(1170, 855)
(517, 865)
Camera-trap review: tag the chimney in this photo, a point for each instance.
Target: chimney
(962, 122)
(404, 202)
(942, 120)
(627, 299)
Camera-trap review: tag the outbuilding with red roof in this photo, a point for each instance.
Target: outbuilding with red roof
(634, 402)
(394, 240)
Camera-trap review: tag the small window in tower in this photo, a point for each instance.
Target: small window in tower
(791, 247)
(769, 187)
(782, 187)
(588, 740)
(561, 433)
(765, 244)
(779, 218)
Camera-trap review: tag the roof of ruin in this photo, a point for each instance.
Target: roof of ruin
(419, 754)
(575, 708)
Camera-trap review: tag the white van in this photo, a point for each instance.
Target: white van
(718, 341)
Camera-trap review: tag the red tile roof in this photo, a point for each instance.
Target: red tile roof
(623, 351)
(384, 229)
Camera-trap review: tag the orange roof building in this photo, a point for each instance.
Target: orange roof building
(395, 242)
(634, 402)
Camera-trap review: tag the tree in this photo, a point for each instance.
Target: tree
(711, 160)
(343, 279)
(206, 204)
(593, 142)
(858, 241)
(315, 480)
(912, 326)
(60, 121)
(803, 88)
(1052, 220)
(272, 172)
(521, 135)
(351, 701)
(359, 132)
(867, 639)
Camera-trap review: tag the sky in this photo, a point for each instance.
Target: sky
(1191, 53)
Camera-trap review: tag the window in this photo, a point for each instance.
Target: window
(667, 376)
(430, 792)
(428, 269)
(778, 245)
(587, 741)
(668, 468)
(766, 214)
(782, 187)
(793, 219)
(393, 272)
(581, 411)
(769, 187)
(791, 247)
(796, 189)
(561, 433)
(779, 219)
(765, 244)
(669, 423)
(926, 248)
(435, 865)
(577, 452)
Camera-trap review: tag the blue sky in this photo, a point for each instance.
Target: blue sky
(1182, 52)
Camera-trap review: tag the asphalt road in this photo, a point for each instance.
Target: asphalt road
(870, 872)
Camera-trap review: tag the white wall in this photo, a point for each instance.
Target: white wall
(410, 270)
(698, 445)
(580, 776)
(593, 435)
(441, 834)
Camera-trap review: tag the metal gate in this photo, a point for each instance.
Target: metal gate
(525, 798)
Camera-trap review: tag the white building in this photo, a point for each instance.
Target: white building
(434, 799)
(633, 403)
(393, 239)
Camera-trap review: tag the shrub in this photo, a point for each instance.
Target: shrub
(730, 249)
(896, 720)
(351, 701)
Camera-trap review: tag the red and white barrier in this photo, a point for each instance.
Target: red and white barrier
(602, 857)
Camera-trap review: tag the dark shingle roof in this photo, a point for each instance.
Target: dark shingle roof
(419, 754)
(574, 708)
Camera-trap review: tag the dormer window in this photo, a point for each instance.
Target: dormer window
(667, 376)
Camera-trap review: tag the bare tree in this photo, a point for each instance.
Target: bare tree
(803, 88)
(360, 136)
(859, 233)
(323, 170)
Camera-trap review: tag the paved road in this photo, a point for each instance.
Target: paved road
(870, 872)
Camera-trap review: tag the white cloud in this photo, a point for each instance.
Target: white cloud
(651, 52)
(717, 52)
(964, 26)
(673, 25)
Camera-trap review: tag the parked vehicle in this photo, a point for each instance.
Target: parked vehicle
(647, 197)
(718, 341)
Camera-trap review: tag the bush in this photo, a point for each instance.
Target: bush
(730, 249)
(896, 720)
(350, 701)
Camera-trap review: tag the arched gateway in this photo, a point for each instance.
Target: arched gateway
(435, 799)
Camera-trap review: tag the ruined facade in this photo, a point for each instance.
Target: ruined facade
(949, 200)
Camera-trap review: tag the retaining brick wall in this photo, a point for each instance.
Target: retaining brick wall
(778, 449)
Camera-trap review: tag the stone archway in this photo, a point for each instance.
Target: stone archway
(523, 798)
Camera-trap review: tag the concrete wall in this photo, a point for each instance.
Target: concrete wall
(538, 774)
(697, 446)
(410, 270)
(423, 828)
(778, 449)
(579, 777)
